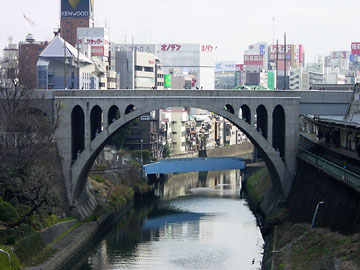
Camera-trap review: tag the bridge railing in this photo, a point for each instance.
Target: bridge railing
(348, 177)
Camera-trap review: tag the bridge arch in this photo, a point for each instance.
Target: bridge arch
(262, 120)
(279, 130)
(113, 114)
(130, 109)
(245, 113)
(95, 121)
(277, 168)
(77, 131)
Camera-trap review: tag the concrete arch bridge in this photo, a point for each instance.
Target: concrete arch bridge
(270, 119)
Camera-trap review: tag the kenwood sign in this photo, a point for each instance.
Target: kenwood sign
(76, 8)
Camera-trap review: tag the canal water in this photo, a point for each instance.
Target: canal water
(200, 221)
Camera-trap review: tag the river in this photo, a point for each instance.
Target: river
(199, 221)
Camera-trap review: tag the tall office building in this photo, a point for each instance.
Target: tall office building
(75, 14)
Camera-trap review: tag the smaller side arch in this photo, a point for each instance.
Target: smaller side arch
(279, 130)
(229, 108)
(245, 113)
(95, 121)
(130, 109)
(262, 120)
(77, 132)
(113, 114)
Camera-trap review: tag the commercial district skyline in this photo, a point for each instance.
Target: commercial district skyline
(321, 26)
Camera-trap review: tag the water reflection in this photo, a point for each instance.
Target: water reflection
(200, 222)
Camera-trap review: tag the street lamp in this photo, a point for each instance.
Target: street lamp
(141, 154)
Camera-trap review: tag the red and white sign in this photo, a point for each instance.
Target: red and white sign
(239, 67)
(279, 51)
(254, 60)
(97, 50)
(170, 47)
(355, 48)
(97, 38)
(207, 48)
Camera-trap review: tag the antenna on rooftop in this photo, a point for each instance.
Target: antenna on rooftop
(273, 29)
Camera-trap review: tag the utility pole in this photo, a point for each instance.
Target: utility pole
(78, 65)
(285, 54)
(277, 62)
(65, 64)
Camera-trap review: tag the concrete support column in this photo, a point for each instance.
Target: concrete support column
(270, 125)
(87, 124)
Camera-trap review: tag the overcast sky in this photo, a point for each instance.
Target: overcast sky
(320, 25)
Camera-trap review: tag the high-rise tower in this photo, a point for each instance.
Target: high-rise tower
(74, 14)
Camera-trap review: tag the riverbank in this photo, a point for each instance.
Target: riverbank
(291, 245)
(86, 232)
(83, 235)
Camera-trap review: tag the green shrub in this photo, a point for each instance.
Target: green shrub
(29, 247)
(120, 196)
(101, 167)
(99, 179)
(9, 236)
(8, 212)
(146, 155)
(5, 263)
(51, 220)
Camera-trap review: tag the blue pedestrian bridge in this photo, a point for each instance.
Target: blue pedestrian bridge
(183, 165)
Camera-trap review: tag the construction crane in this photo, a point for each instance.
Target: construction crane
(36, 27)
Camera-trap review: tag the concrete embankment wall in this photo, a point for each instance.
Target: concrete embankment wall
(232, 150)
(341, 208)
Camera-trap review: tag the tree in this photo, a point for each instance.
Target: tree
(119, 138)
(29, 165)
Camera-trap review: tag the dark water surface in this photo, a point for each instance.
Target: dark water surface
(199, 222)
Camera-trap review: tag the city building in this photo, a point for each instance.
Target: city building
(292, 55)
(60, 58)
(335, 78)
(29, 52)
(75, 14)
(145, 134)
(195, 60)
(94, 42)
(138, 70)
(9, 71)
(225, 75)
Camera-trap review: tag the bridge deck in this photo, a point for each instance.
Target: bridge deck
(183, 165)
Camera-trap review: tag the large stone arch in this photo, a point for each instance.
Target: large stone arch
(280, 177)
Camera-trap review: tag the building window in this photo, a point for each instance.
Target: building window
(138, 68)
(148, 69)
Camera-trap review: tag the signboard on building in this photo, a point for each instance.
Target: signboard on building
(77, 8)
(355, 48)
(271, 80)
(97, 38)
(292, 53)
(254, 60)
(167, 80)
(223, 67)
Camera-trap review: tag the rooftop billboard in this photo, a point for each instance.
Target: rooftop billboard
(355, 48)
(77, 8)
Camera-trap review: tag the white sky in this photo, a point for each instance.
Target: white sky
(320, 25)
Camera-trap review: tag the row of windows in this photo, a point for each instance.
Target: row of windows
(146, 69)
